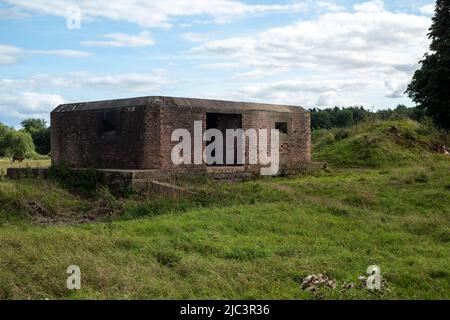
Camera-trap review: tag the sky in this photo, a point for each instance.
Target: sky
(300, 52)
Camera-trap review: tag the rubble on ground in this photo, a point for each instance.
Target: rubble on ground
(312, 282)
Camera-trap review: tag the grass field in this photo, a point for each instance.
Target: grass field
(250, 240)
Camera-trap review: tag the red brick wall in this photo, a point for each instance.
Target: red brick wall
(77, 138)
(300, 140)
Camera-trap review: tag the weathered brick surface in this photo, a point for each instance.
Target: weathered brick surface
(78, 140)
(172, 118)
(136, 133)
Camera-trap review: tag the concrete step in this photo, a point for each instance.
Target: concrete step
(225, 169)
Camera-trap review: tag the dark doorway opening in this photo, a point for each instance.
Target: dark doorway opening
(107, 126)
(222, 122)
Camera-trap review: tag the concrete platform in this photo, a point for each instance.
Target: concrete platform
(158, 179)
(139, 179)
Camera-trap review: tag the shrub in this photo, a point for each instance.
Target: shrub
(14, 142)
(85, 180)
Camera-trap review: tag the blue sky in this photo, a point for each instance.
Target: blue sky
(301, 52)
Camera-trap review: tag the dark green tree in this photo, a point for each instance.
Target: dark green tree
(430, 85)
(31, 125)
(38, 130)
(359, 114)
(344, 118)
(320, 119)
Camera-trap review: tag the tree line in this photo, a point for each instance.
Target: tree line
(430, 85)
(346, 117)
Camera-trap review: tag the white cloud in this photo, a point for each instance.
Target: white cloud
(123, 40)
(13, 13)
(427, 10)
(60, 53)
(354, 40)
(32, 103)
(153, 13)
(28, 104)
(326, 99)
(370, 6)
(11, 54)
(366, 43)
(396, 87)
(19, 98)
(220, 65)
(195, 37)
(127, 82)
(306, 91)
(252, 74)
(328, 6)
(135, 82)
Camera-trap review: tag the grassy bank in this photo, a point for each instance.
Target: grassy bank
(256, 239)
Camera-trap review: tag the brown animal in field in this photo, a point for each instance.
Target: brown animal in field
(18, 158)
